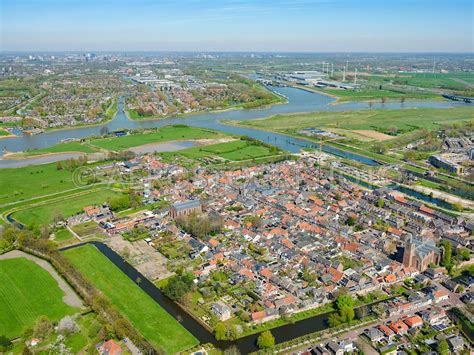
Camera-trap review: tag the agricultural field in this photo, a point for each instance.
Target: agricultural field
(234, 151)
(154, 323)
(164, 134)
(66, 207)
(26, 292)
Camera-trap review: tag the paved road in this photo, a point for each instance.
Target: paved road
(70, 297)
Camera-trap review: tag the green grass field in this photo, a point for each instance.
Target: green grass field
(375, 94)
(26, 292)
(68, 207)
(148, 317)
(234, 150)
(62, 236)
(4, 132)
(454, 81)
(61, 148)
(164, 134)
(18, 184)
(405, 119)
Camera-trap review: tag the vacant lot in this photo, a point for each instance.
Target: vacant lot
(379, 136)
(146, 315)
(26, 292)
(67, 207)
(168, 133)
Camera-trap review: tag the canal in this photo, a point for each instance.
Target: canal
(245, 345)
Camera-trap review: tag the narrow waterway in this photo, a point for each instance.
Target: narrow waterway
(245, 345)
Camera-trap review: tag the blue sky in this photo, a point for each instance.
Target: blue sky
(238, 25)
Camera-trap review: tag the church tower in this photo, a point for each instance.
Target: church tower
(409, 252)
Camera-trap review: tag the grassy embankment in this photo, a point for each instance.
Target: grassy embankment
(154, 323)
(26, 292)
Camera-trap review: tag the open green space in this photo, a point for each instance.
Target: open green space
(451, 81)
(26, 292)
(4, 132)
(62, 148)
(373, 94)
(234, 151)
(44, 214)
(376, 119)
(63, 236)
(154, 323)
(164, 134)
(17, 184)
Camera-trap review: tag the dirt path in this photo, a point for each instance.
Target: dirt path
(70, 297)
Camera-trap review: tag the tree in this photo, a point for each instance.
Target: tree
(465, 253)
(5, 343)
(345, 306)
(43, 327)
(57, 216)
(442, 348)
(120, 203)
(347, 314)
(266, 340)
(67, 325)
(59, 165)
(351, 221)
(334, 320)
(448, 250)
(220, 331)
(380, 203)
(178, 286)
(379, 148)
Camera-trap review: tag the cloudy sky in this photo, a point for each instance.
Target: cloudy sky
(238, 25)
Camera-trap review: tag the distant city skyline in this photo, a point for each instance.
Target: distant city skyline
(238, 25)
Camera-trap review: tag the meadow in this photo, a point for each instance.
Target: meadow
(153, 322)
(18, 184)
(62, 148)
(26, 292)
(374, 94)
(164, 134)
(378, 119)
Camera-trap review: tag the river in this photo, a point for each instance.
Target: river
(298, 101)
